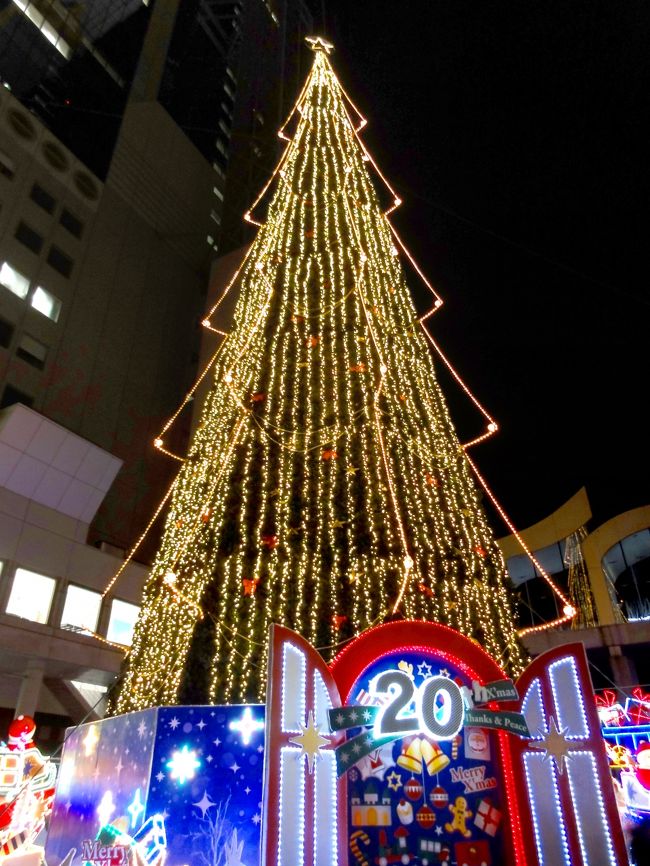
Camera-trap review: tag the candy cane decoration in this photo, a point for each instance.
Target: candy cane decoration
(355, 838)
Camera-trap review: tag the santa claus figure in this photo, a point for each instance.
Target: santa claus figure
(26, 787)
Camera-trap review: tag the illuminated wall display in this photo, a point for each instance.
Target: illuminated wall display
(410, 747)
(170, 785)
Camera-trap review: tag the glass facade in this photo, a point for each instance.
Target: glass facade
(627, 566)
(72, 64)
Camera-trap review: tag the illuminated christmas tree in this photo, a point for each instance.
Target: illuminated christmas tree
(325, 488)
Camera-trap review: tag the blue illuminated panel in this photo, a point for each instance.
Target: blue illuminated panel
(171, 782)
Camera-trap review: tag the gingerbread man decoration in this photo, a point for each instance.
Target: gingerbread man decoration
(461, 816)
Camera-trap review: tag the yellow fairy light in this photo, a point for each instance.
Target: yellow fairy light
(325, 485)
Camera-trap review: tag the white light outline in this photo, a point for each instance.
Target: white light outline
(530, 756)
(599, 798)
(576, 692)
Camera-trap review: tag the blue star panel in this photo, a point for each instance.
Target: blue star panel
(179, 784)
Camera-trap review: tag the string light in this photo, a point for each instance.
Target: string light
(342, 487)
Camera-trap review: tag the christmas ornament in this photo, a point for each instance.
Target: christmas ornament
(480, 550)
(205, 515)
(329, 454)
(258, 397)
(338, 620)
(358, 368)
(250, 585)
(439, 797)
(270, 541)
(312, 341)
(426, 590)
(455, 745)
(425, 817)
(413, 789)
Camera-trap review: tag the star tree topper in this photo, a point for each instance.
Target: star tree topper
(310, 741)
(317, 43)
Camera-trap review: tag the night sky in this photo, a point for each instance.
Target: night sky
(513, 133)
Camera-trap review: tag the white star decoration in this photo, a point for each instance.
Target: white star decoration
(204, 803)
(554, 744)
(310, 741)
(183, 765)
(142, 729)
(246, 726)
(424, 670)
(135, 809)
(174, 723)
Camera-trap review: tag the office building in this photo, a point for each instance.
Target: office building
(120, 125)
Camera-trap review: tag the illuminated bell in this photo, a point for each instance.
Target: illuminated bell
(433, 756)
(411, 757)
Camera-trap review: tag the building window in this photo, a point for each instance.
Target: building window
(31, 595)
(32, 351)
(6, 333)
(627, 567)
(13, 280)
(43, 198)
(29, 237)
(46, 303)
(58, 260)
(71, 223)
(7, 166)
(81, 609)
(12, 395)
(122, 622)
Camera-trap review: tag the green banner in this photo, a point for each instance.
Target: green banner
(513, 723)
(499, 690)
(342, 718)
(358, 747)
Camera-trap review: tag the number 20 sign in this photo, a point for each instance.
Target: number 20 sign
(439, 706)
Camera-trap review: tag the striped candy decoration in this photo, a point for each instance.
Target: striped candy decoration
(355, 838)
